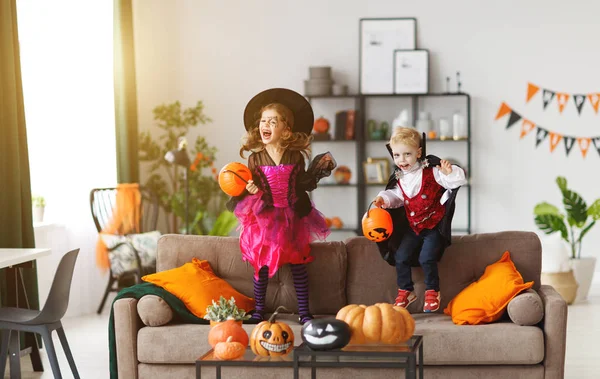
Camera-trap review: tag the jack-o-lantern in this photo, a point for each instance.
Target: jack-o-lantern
(377, 224)
(272, 338)
(233, 178)
(326, 334)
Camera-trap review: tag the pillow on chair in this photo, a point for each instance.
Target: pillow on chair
(122, 258)
(485, 300)
(197, 286)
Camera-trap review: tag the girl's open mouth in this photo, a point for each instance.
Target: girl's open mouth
(266, 134)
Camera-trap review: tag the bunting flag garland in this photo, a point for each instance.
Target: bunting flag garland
(542, 133)
(563, 98)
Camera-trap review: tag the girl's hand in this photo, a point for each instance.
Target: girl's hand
(446, 167)
(251, 187)
(378, 201)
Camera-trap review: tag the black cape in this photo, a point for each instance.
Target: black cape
(388, 248)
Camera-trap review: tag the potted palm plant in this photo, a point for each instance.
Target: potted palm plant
(573, 224)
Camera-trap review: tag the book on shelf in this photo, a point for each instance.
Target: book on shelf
(345, 125)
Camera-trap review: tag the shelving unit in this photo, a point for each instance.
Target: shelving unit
(362, 143)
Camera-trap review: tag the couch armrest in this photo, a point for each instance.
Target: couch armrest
(555, 332)
(127, 324)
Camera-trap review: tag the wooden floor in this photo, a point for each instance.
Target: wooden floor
(88, 338)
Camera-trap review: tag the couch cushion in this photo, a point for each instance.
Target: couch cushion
(327, 271)
(526, 309)
(154, 311)
(462, 264)
(444, 343)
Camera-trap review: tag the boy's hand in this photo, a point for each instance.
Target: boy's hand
(446, 167)
(251, 187)
(378, 201)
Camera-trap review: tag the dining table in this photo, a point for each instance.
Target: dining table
(13, 261)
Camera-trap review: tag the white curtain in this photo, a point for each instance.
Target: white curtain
(67, 69)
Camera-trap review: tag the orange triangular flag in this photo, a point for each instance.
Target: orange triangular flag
(504, 110)
(554, 140)
(584, 145)
(562, 99)
(531, 91)
(594, 98)
(526, 127)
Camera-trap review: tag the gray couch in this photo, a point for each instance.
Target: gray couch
(352, 272)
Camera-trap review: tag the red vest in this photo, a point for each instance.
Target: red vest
(424, 210)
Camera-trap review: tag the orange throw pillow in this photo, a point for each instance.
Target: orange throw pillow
(485, 300)
(196, 285)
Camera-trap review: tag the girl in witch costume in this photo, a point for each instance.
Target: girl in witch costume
(277, 219)
(426, 189)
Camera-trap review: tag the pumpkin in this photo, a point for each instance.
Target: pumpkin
(223, 330)
(377, 224)
(233, 178)
(321, 125)
(229, 350)
(272, 338)
(326, 334)
(336, 222)
(342, 175)
(328, 222)
(382, 322)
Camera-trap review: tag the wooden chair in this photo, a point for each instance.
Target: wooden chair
(102, 204)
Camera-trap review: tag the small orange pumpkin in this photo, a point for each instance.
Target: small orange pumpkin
(229, 350)
(223, 330)
(233, 178)
(377, 224)
(342, 175)
(321, 125)
(336, 222)
(382, 322)
(272, 338)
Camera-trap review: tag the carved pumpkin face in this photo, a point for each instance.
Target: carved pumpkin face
(271, 338)
(233, 178)
(326, 334)
(377, 225)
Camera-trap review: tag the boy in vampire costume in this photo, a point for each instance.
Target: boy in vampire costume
(420, 197)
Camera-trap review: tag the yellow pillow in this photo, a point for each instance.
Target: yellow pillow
(196, 285)
(485, 300)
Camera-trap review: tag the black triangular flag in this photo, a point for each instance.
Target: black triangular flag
(547, 97)
(540, 135)
(514, 117)
(579, 101)
(569, 142)
(597, 144)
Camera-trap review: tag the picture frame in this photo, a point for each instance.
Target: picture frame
(411, 71)
(376, 170)
(378, 38)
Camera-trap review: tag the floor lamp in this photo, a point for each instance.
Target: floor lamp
(180, 157)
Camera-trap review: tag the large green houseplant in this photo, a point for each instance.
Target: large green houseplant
(579, 217)
(206, 209)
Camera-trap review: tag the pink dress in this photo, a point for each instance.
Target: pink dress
(279, 222)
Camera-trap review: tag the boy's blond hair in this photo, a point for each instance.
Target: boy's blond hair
(406, 136)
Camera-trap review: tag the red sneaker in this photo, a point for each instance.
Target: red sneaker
(404, 298)
(432, 301)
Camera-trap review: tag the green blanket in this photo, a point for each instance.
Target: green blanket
(180, 314)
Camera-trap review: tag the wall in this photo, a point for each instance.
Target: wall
(225, 52)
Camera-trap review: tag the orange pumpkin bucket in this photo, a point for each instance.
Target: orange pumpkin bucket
(377, 224)
(233, 178)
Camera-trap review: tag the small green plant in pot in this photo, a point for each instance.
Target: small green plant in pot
(580, 218)
(225, 310)
(38, 204)
(574, 224)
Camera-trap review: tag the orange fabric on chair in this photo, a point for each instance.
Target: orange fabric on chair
(196, 285)
(485, 300)
(125, 220)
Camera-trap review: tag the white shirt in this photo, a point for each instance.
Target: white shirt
(411, 184)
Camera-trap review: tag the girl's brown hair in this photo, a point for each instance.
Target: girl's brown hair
(289, 140)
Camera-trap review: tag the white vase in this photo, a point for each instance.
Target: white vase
(38, 214)
(583, 269)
